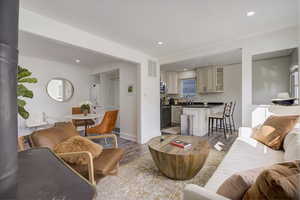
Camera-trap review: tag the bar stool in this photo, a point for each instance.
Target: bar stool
(231, 116)
(222, 119)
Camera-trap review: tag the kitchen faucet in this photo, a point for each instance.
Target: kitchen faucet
(189, 100)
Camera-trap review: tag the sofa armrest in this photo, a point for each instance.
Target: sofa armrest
(90, 163)
(194, 192)
(245, 132)
(113, 136)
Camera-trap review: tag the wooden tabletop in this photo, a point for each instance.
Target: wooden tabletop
(82, 116)
(179, 163)
(198, 145)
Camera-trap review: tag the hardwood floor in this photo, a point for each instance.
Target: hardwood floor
(133, 150)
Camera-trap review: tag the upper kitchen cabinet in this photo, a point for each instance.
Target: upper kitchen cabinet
(210, 79)
(172, 82)
(163, 76)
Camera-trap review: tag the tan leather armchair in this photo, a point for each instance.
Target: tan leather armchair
(105, 164)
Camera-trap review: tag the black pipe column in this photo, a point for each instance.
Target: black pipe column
(9, 14)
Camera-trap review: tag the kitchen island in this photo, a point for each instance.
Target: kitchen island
(197, 116)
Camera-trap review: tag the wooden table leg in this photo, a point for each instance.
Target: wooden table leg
(85, 127)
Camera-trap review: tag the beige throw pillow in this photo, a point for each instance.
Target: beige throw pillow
(274, 130)
(77, 144)
(280, 181)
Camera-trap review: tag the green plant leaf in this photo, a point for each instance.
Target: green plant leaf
(27, 80)
(21, 103)
(23, 113)
(22, 73)
(23, 91)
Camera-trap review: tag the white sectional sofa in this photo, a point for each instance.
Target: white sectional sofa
(245, 153)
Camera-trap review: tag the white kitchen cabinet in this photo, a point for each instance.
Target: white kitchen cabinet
(199, 116)
(199, 126)
(163, 76)
(176, 113)
(210, 79)
(172, 82)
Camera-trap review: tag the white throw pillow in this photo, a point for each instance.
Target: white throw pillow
(291, 146)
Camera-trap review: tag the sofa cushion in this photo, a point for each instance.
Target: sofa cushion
(280, 181)
(236, 186)
(104, 163)
(78, 144)
(245, 153)
(291, 146)
(274, 129)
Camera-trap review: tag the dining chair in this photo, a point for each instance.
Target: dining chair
(222, 119)
(107, 124)
(78, 122)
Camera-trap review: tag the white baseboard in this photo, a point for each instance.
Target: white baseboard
(128, 136)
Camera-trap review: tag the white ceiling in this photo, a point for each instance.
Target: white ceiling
(180, 24)
(226, 58)
(44, 48)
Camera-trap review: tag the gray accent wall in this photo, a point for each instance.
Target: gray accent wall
(270, 77)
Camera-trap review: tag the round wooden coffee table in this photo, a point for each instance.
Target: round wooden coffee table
(179, 163)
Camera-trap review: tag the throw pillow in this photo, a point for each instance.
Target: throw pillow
(77, 144)
(236, 186)
(291, 146)
(274, 129)
(280, 181)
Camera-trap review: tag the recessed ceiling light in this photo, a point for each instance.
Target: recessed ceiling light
(160, 43)
(77, 61)
(250, 13)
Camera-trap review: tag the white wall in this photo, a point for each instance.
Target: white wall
(44, 70)
(232, 91)
(280, 40)
(128, 103)
(148, 95)
(270, 77)
(109, 90)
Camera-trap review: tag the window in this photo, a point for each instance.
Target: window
(188, 87)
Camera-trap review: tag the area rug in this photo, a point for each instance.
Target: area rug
(140, 179)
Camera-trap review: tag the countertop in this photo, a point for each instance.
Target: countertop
(198, 105)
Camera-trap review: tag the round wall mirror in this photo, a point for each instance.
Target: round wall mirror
(60, 89)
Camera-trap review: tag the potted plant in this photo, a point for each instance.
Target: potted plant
(23, 76)
(85, 107)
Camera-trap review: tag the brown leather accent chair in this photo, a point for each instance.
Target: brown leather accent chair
(78, 122)
(107, 125)
(106, 163)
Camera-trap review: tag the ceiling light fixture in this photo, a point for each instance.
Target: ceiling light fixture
(77, 61)
(185, 69)
(160, 43)
(250, 13)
